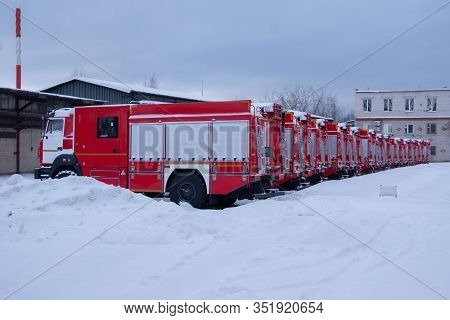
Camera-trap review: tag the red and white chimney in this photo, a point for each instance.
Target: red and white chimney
(18, 51)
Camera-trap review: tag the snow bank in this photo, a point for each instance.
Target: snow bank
(311, 244)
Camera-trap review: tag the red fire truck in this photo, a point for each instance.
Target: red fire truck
(200, 153)
(212, 152)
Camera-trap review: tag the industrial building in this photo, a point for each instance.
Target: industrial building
(423, 114)
(21, 115)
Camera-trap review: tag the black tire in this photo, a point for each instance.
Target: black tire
(190, 188)
(64, 172)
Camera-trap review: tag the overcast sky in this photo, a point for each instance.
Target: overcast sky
(240, 49)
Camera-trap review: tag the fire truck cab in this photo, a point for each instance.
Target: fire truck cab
(56, 153)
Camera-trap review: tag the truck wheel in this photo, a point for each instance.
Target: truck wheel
(189, 188)
(63, 173)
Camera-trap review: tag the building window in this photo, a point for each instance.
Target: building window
(388, 105)
(107, 127)
(367, 105)
(431, 104)
(409, 129)
(431, 128)
(409, 104)
(387, 128)
(433, 150)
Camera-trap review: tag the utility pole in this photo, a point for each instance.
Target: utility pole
(18, 85)
(18, 50)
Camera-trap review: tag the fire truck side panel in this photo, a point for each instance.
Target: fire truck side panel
(230, 140)
(146, 153)
(215, 145)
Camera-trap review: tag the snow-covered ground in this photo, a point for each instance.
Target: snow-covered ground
(304, 245)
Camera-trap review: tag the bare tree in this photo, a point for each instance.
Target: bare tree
(151, 82)
(78, 71)
(307, 99)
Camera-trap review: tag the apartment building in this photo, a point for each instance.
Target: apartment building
(422, 114)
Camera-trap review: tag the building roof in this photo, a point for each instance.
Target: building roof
(24, 117)
(128, 88)
(37, 96)
(406, 90)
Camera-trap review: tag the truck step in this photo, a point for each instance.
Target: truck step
(268, 195)
(303, 185)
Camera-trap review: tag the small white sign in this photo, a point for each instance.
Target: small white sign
(388, 191)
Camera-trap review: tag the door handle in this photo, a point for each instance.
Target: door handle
(114, 150)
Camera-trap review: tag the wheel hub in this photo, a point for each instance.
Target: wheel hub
(187, 192)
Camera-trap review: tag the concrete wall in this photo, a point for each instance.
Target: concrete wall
(29, 141)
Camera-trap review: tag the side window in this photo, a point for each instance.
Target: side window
(55, 126)
(107, 127)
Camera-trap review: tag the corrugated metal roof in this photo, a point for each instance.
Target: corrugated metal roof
(128, 88)
(44, 96)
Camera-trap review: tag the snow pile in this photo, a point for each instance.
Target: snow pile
(325, 242)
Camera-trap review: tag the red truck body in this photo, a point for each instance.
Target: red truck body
(212, 152)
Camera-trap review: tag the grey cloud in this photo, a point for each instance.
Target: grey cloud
(238, 48)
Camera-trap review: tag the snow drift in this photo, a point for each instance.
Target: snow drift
(336, 240)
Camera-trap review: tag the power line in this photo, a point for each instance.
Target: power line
(384, 45)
